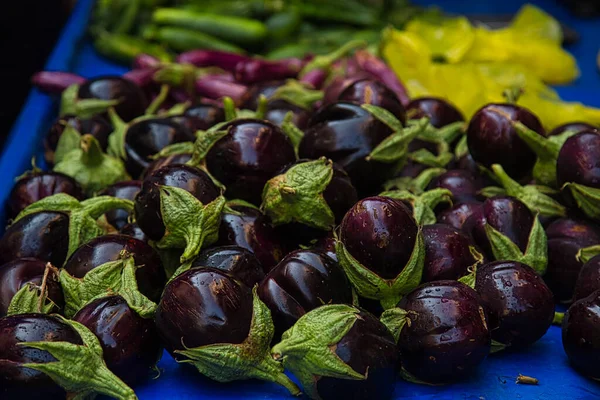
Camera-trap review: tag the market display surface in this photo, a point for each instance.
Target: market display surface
(457, 239)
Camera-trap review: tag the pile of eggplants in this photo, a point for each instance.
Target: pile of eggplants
(304, 216)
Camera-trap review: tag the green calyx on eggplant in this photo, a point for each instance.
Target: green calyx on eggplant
(47, 353)
(441, 330)
(422, 205)
(505, 229)
(381, 248)
(82, 216)
(314, 193)
(82, 158)
(537, 198)
(234, 347)
(416, 185)
(179, 207)
(356, 355)
(114, 277)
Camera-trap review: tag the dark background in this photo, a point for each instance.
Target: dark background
(29, 29)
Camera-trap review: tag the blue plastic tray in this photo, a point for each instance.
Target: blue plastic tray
(496, 377)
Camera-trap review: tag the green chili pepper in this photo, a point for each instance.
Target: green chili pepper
(233, 29)
(181, 39)
(124, 48)
(283, 24)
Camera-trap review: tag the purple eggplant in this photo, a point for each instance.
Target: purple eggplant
(211, 58)
(237, 261)
(581, 335)
(277, 109)
(369, 91)
(132, 101)
(145, 138)
(579, 160)
(133, 230)
(346, 134)
(143, 78)
(360, 346)
(18, 273)
(493, 139)
(251, 153)
(249, 99)
(173, 159)
(254, 70)
(339, 83)
(576, 127)
(35, 186)
(566, 236)
(458, 214)
(447, 335)
(187, 325)
(439, 111)
(588, 280)
(147, 202)
(326, 245)
(214, 88)
(448, 253)
(96, 126)
(55, 82)
(43, 235)
(301, 282)
(507, 215)
(130, 344)
(201, 116)
(150, 276)
(463, 184)
(143, 61)
(377, 68)
(247, 227)
(122, 190)
(518, 304)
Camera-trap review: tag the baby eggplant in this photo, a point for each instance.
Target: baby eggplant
(247, 156)
(103, 249)
(439, 111)
(191, 332)
(448, 253)
(463, 184)
(277, 109)
(576, 127)
(458, 214)
(581, 335)
(588, 280)
(339, 351)
(518, 304)
(566, 236)
(122, 190)
(35, 186)
(237, 261)
(578, 160)
(447, 337)
(302, 281)
(133, 230)
(130, 344)
(200, 117)
(160, 162)
(131, 99)
(493, 139)
(369, 91)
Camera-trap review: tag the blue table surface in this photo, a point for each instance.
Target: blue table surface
(495, 379)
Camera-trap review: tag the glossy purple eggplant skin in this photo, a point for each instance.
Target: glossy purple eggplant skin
(369, 91)
(448, 336)
(581, 335)
(38, 185)
(588, 280)
(96, 126)
(250, 229)
(579, 160)
(145, 138)
(252, 152)
(492, 139)
(447, 253)
(380, 233)
(17, 382)
(346, 134)
(507, 215)
(326, 245)
(249, 100)
(150, 276)
(576, 127)
(439, 111)
(368, 348)
(200, 117)
(237, 261)
(301, 282)
(133, 230)
(518, 304)
(147, 202)
(458, 214)
(566, 236)
(186, 313)
(463, 184)
(18, 273)
(278, 108)
(122, 190)
(43, 235)
(174, 159)
(130, 344)
(132, 101)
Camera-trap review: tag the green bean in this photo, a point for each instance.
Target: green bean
(124, 48)
(181, 39)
